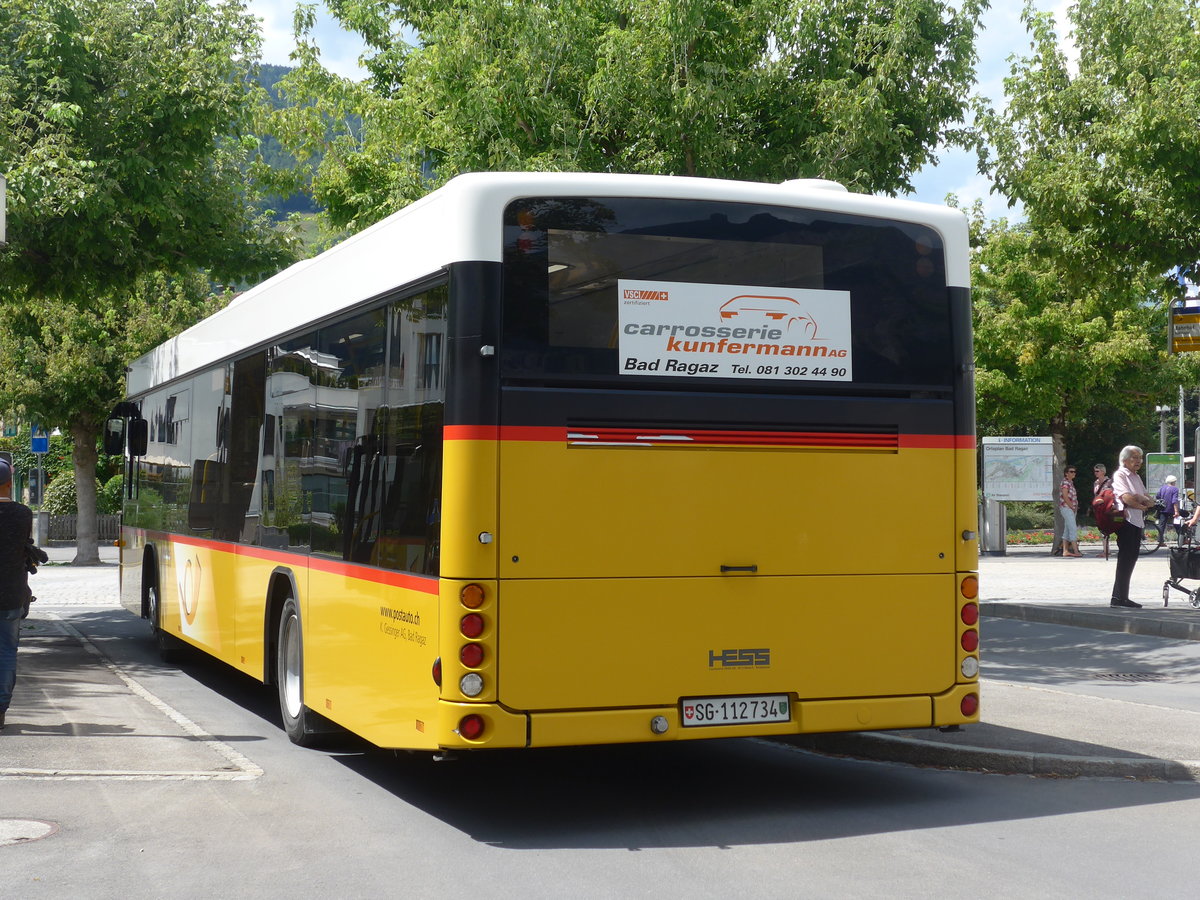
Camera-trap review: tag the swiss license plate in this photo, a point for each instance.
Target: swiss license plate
(735, 710)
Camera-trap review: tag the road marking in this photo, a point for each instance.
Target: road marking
(239, 768)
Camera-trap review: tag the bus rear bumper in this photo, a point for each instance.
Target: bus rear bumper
(621, 726)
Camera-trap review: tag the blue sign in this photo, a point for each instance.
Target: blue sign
(39, 442)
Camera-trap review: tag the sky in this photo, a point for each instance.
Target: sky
(1003, 35)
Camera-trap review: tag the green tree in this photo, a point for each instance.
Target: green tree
(124, 138)
(853, 90)
(123, 133)
(73, 364)
(1106, 148)
(1063, 355)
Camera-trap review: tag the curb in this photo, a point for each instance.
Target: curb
(931, 754)
(1100, 618)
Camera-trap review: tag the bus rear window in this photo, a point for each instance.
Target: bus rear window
(639, 290)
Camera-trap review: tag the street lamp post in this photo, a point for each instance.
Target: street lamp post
(1163, 413)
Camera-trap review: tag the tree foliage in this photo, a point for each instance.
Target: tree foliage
(122, 126)
(1106, 149)
(1057, 352)
(855, 90)
(72, 360)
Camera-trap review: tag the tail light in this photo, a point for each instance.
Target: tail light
(471, 625)
(969, 614)
(969, 705)
(471, 727)
(471, 655)
(970, 640)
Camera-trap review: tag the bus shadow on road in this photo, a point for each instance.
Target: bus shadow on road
(716, 793)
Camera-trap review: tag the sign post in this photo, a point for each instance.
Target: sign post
(39, 445)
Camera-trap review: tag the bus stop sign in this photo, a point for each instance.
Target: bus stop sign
(39, 442)
(1185, 329)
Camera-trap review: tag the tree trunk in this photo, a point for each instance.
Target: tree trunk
(87, 551)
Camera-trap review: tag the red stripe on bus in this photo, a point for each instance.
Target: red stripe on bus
(645, 436)
(425, 584)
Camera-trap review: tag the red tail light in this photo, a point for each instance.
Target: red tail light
(471, 625)
(437, 671)
(970, 614)
(969, 705)
(471, 727)
(471, 655)
(970, 641)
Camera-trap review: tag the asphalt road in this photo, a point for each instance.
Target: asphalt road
(199, 794)
(698, 820)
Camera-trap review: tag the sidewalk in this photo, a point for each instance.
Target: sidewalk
(1029, 584)
(68, 687)
(58, 583)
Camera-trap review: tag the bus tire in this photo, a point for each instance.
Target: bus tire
(298, 719)
(170, 650)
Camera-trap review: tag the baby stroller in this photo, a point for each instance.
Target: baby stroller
(1185, 563)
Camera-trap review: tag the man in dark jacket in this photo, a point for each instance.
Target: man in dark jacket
(16, 540)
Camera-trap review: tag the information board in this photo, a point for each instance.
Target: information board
(1158, 467)
(1018, 468)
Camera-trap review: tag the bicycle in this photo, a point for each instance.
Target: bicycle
(1153, 535)
(1187, 534)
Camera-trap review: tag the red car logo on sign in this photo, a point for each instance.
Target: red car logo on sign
(776, 310)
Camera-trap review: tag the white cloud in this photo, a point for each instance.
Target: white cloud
(340, 49)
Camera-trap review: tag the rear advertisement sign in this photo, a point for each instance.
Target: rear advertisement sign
(733, 331)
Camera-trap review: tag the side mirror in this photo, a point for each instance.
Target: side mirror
(114, 437)
(139, 437)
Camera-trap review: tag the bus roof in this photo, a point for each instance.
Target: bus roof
(461, 221)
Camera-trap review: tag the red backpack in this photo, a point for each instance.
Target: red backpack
(1109, 519)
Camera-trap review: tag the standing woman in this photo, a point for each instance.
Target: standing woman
(1131, 497)
(1102, 483)
(1068, 505)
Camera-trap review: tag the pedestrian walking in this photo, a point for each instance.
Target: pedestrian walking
(1131, 497)
(17, 558)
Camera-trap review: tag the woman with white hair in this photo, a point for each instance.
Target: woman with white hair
(1131, 497)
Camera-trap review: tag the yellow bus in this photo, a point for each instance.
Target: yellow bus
(559, 459)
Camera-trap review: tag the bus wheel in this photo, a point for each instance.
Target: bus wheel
(289, 677)
(169, 649)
